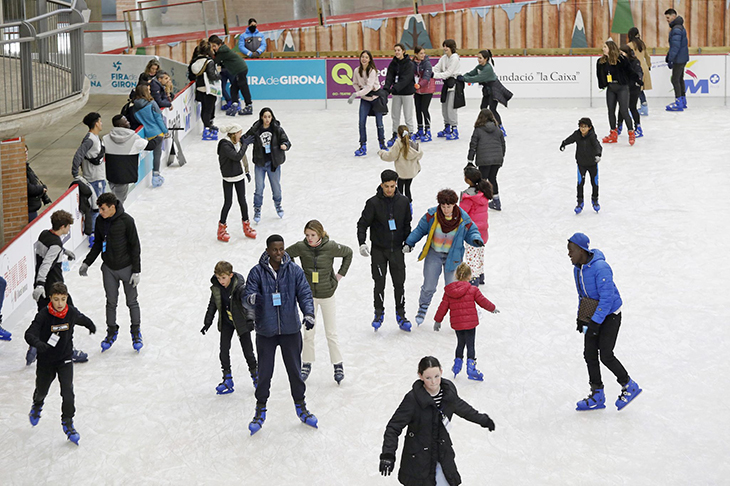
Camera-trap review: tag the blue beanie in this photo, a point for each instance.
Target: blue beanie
(581, 240)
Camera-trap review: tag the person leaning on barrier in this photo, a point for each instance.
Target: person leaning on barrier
(252, 43)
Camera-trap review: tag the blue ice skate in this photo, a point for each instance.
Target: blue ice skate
(137, 339)
(68, 428)
(258, 419)
(458, 363)
(472, 372)
(629, 391)
(226, 386)
(362, 151)
(426, 137)
(421, 314)
(453, 135)
(595, 401)
(444, 132)
(578, 207)
(35, 415)
(378, 320)
(110, 338)
(305, 415)
(403, 323)
(5, 335)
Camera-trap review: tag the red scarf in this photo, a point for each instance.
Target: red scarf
(55, 313)
(449, 225)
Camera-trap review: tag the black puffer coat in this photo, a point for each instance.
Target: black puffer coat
(278, 137)
(487, 145)
(117, 237)
(35, 190)
(378, 211)
(587, 148)
(427, 440)
(400, 78)
(232, 162)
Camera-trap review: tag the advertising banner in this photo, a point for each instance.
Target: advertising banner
(287, 79)
(704, 76)
(118, 74)
(17, 260)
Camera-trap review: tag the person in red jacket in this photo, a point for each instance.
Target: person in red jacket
(462, 298)
(475, 201)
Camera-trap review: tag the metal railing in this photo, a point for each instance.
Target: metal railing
(41, 58)
(158, 18)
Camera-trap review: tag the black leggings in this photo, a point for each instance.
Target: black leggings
(618, 93)
(240, 82)
(593, 171)
(466, 338)
(227, 331)
(603, 344)
(678, 79)
(44, 376)
(423, 117)
(489, 172)
(207, 110)
(228, 199)
(404, 187)
(489, 102)
(634, 94)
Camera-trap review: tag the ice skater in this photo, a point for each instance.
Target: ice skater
(475, 201)
(406, 154)
(427, 410)
(642, 53)
(636, 81)
(677, 58)
(275, 287)
(493, 92)
(487, 150)
(613, 71)
(425, 88)
(446, 227)
(51, 333)
(5, 335)
(447, 69)
(366, 83)
(461, 299)
(317, 253)
(388, 216)
(400, 82)
(234, 168)
(587, 155)
(202, 70)
(226, 298)
(599, 319)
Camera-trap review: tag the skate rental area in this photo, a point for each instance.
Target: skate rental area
(154, 417)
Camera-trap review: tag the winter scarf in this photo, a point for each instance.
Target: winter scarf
(55, 313)
(449, 225)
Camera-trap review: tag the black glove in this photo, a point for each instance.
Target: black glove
(488, 423)
(249, 140)
(477, 243)
(670, 65)
(255, 54)
(248, 177)
(42, 347)
(205, 329)
(579, 326)
(92, 328)
(460, 78)
(562, 147)
(387, 463)
(593, 328)
(308, 322)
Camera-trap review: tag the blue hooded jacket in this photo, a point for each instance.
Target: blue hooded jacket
(149, 115)
(595, 281)
(250, 42)
(678, 46)
(467, 231)
(291, 284)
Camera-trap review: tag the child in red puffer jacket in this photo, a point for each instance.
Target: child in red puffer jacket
(462, 298)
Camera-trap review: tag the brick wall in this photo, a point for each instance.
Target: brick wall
(15, 188)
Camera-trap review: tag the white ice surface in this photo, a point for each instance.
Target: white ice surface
(154, 417)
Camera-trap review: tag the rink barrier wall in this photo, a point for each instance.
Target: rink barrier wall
(17, 258)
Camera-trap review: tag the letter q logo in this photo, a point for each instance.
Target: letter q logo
(342, 73)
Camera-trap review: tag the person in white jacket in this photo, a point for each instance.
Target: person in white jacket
(448, 68)
(365, 81)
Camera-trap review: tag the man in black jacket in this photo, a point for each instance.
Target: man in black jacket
(388, 215)
(51, 332)
(400, 81)
(117, 240)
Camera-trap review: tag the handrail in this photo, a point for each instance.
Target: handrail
(127, 14)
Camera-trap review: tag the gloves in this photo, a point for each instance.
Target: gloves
(597, 158)
(134, 281)
(364, 250)
(205, 329)
(92, 328)
(351, 98)
(84, 270)
(460, 78)
(387, 463)
(488, 423)
(309, 322)
(495, 311)
(670, 65)
(477, 243)
(407, 249)
(437, 326)
(255, 54)
(70, 255)
(579, 326)
(248, 177)
(593, 328)
(39, 293)
(562, 147)
(249, 140)
(42, 347)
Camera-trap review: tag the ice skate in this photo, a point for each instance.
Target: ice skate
(5, 335)
(628, 392)
(226, 386)
(403, 323)
(232, 110)
(578, 207)
(421, 314)
(247, 110)
(426, 137)
(68, 428)
(248, 231)
(306, 370)
(339, 373)
(611, 137)
(595, 401)
(444, 132)
(644, 109)
(35, 415)
(596, 206)
(256, 214)
(258, 419)
(305, 415)
(392, 140)
(676, 106)
(472, 372)
(111, 337)
(632, 137)
(223, 233)
(79, 356)
(362, 151)
(458, 363)
(378, 320)
(30, 356)
(137, 339)
(638, 132)
(453, 135)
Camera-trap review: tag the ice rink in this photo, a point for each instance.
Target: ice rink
(154, 417)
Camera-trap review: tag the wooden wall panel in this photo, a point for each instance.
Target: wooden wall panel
(338, 37)
(652, 18)
(470, 39)
(370, 38)
(354, 36)
(388, 35)
(324, 39)
(533, 25)
(307, 39)
(437, 30)
(586, 10)
(698, 21)
(501, 28)
(715, 23)
(516, 30)
(566, 21)
(486, 30)
(550, 27)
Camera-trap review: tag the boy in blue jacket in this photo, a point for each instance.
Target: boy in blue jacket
(594, 280)
(273, 290)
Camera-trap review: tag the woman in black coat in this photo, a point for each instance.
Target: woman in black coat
(234, 168)
(37, 192)
(488, 148)
(614, 72)
(269, 152)
(428, 455)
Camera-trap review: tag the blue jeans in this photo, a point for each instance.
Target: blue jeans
(3, 285)
(364, 110)
(274, 179)
(99, 187)
(432, 266)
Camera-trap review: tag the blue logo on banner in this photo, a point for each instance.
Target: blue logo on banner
(287, 79)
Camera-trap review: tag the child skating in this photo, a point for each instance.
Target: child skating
(407, 155)
(587, 155)
(462, 298)
(226, 292)
(51, 333)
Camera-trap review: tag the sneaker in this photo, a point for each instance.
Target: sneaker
(378, 320)
(305, 415)
(339, 373)
(79, 356)
(258, 419)
(30, 356)
(403, 323)
(111, 336)
(595, 401)
(306, 370)
(628, 392)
